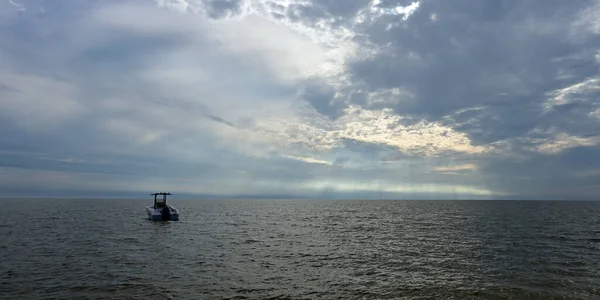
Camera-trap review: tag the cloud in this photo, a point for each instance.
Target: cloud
(286, 97)
(589, 173)
(465, 167)
(378, 127)
(579, 92)
(309, 160)
(378, 9)
(561, 142)
(27, 103)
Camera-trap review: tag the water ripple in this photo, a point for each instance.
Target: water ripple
(301, 250)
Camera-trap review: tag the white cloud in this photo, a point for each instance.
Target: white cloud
(588, 20)
(224, 63)
(19, 6)
(390, 97)
(577, 92)
(287, 54)
(404, 11)
(309, 160)
(249, 43)
(138, 133)
(377, 186)
(423, 138)
(36, 102)
(454, 168)
(241, 185)
(221, 67)
(292, 48)
(595, 114)
(262, 42)
(378, 127)
(561, 142)
(374, 11)
(169, 80)
(179, 5)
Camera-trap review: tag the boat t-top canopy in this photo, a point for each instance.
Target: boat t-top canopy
(160, 202)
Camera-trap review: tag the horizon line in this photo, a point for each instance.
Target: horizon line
(285, 198)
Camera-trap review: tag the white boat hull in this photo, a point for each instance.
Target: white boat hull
(156, 214)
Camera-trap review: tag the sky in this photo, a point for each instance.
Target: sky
(344, 99)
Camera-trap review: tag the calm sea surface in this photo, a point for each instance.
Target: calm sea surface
(106, 249)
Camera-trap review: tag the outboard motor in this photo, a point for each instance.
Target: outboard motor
(165, 214)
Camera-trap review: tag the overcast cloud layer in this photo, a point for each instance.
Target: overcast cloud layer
(293, 98)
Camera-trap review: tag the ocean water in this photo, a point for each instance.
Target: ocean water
(263, 249)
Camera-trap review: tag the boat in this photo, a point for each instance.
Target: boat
(161, 211)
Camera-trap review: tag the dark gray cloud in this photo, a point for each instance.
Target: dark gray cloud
(570, 175)
(494, 68)
(187, 99)
(501, 55)
(347, 10)
(222, 8)
(322, 98)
